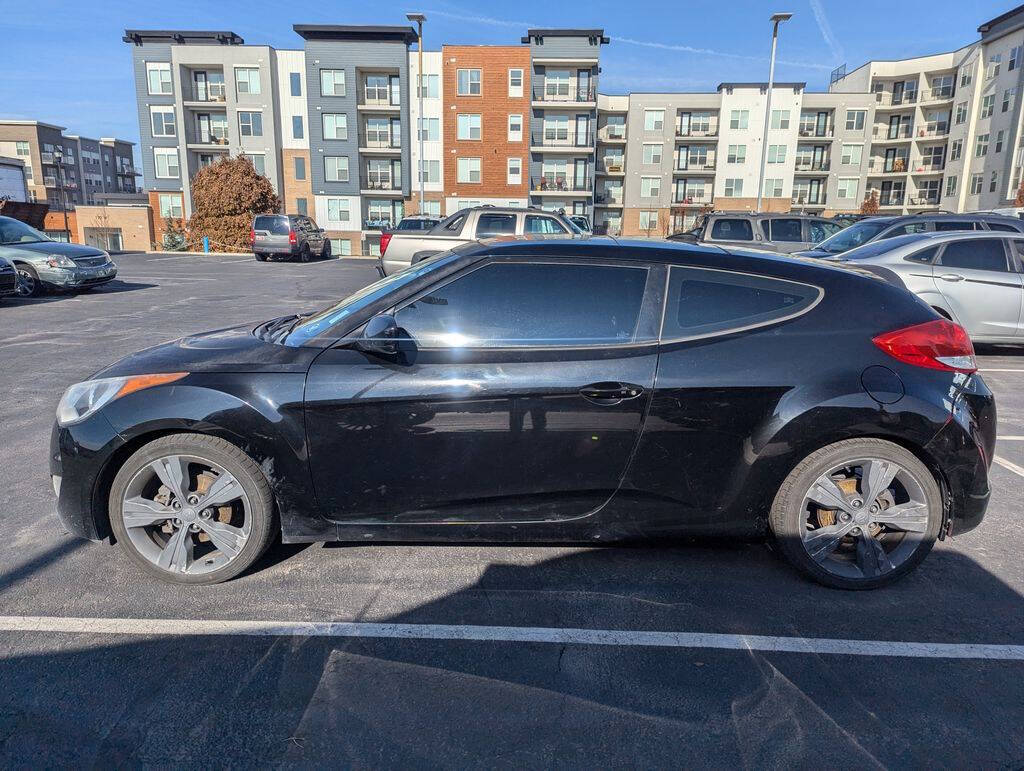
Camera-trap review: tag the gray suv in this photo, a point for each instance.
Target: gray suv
(293, 236)
(785, 233)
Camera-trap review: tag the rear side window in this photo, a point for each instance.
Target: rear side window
(504, 305)
(277, 226)
(785, 230)
(495, 225)
(926, 256)
(732, 230)
(902, 230)
(705, 302)
(980, 254)
(943, 225)
(415, 225)
(455, 225)
(819, 231)
(1003, 227)
(536, 224)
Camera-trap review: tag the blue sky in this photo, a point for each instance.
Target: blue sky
(64, 62)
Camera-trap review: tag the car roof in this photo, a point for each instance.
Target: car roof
(943, 217)
(754, 214)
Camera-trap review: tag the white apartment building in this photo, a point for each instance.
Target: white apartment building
(429, 128)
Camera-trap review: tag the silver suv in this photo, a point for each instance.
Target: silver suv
(293, 236)
(785, 233)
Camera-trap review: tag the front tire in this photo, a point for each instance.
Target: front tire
(857, 514)
(192, 509)
(325, 252)
(28, 284)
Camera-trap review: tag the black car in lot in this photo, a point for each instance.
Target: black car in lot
(560, 390)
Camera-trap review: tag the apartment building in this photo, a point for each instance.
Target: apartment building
(564, 65)
(293, 109)
(428, 169)
(485, 126)
(610, 164)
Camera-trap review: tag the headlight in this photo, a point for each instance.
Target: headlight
(83, 399)
(60, 261)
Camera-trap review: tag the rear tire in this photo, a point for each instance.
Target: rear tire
(830, 543)
(224, 538)
(260, 257)
(304, 253)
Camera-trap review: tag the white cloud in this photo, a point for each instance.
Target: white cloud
(826, 30)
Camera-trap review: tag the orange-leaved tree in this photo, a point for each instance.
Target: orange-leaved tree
(226, 195)
(1019, 200)
(870, 205)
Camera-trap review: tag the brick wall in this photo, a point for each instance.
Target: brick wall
(296, 188)
(159, 226)
(494, 106)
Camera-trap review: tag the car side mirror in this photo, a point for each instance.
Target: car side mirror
(380, 336)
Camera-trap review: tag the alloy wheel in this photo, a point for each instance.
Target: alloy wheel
(864, 518)
(186, 514)
(26, 284)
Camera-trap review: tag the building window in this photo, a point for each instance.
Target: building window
(650, 187)
(332, 82)
(22, 149)
(158, 75)
(170, 206)
(515, 82)
(556, 83)
(851, 155)
(652, 154)
(295, 80)
(654, 120)
(335, 125)
(999, 141)
(341, 247)
(961, 113)
(738, 119)
(431, 208)
(981, 148)
(1014, 61)
(992, 69)
(515, 128)
(297, 131)
(430, 129)
(780, 119)
(855, 120)
(648, 220)
(337, 210)
(468, 83)
(163, 121)
(733, 188)
(773, 188)
(956, 149)
(247, 80)
(430, 171)
(301, 206)
(976, 183)
(987, 105)
(737, 154)
(250, 124)
(951, 185)
(467, 126)
(468, 170)
(259, 162)
(336, 168)
(429, 87)
(965, 78)
(847, 188)
(776, 153)
(515, 171)
(1008, 95)
(300, 168)
(166, 161)
(993, 182)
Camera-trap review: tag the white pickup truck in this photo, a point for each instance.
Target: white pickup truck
(401, 249)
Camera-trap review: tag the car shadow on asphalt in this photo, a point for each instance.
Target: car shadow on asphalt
(114, 287)
(313, 701)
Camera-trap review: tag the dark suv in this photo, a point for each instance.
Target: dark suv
(288, 235)
(878, 228)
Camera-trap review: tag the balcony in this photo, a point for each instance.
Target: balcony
(382, 184)
(612, 167)
(937, 129)
(560, 140)
(892, 199)
(943, 94)
(928, 167)
(379, 142)
(615, 134)
(888, 165)
(889, 99)
(564, 93)
(209, 141)
(891, 134)
(692, 166)
(928, 199)
(696, 133)
(814, 131)
(801, 198)
(684, 200)
(556, 185)
(608, 201)
(208, 97)
(807, 165)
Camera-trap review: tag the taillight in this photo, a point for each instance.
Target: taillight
(291, 238)
(385, 239)
(252, 236)
(938, 344)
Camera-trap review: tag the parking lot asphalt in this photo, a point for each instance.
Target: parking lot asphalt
(418, 688)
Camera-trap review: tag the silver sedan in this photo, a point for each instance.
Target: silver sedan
(973, 278)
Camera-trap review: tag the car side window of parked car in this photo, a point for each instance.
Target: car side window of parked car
(1002, 227)
(902, 230)
(982, 254)
(544, 225)
(732, 230)
(819, 231)
(704, 302)
(785, 230)
(924, 256)
(503, 305)
(946, 225)
(455, 225)
(495, 225)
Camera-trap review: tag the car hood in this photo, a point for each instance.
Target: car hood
(44, 248)
(233, 349)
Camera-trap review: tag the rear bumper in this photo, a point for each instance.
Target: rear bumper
(271, 249)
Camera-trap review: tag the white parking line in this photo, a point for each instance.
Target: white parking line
(513, 634)
(1001, 370)
(167, 278)
(1009, 466)
(1010, 438)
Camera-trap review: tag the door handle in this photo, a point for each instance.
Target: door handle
(951, 277)
(610, 393)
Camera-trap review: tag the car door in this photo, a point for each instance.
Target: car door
(511, 400)
(979, 281)
(786, 234)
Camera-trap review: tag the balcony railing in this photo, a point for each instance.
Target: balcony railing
(888, 165)
(609, 134)
(814, 131)
(380, 141)
(922, 167)
(386, 102)
(694, 165)
(614, 167)
(378, 223)
(690, 200)
(380, 182)
(807, 165)
(564, 93)
(208, 97)
(605, 198)
(893, 199)
(548, 184)
(937, 94)
(888, 99)
(552, 138)
(807, 199)
(937, 129)
(696, 132)
(210, 139)
(885, 132)
(930, 199)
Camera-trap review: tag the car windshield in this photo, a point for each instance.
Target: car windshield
(573, 226)
(17, 232)
(309, 327)
(852, 237)
(883, 245)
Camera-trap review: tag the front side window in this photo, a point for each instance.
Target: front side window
(981, 254)
(704, 302)
(247, 80)
(250, 124)
(818, 231)
(468, 83)
(524, 305)
(332, 82)
(732, 230)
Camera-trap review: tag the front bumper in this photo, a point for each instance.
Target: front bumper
(76, 278)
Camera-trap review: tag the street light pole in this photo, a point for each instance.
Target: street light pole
(776, 19)
(419, 18)
(58, 156)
